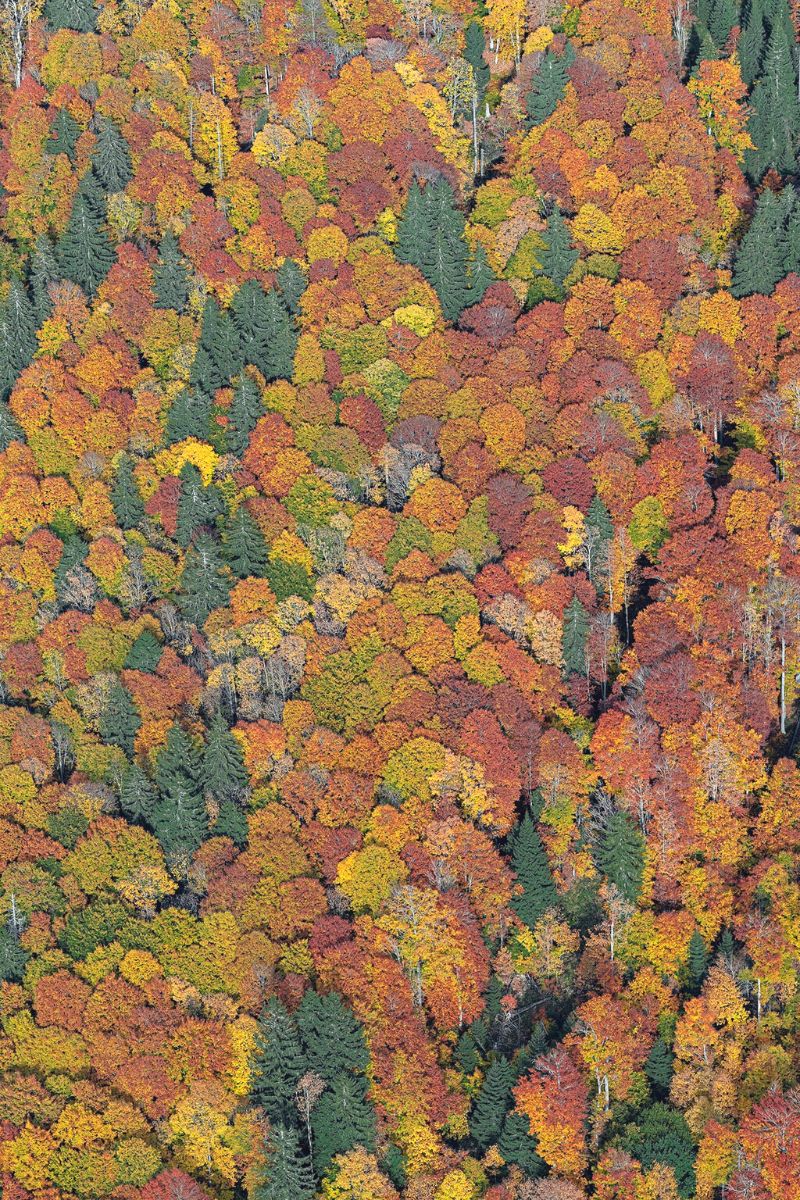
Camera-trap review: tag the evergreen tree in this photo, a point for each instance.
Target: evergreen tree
(245, 549)
(474, 53)
(774, 122)
(225, 773)
(279, 341)
(171, 275)
(119, 720)
(180, 821)
(43, 272)
(492, 1103)
(621, 855)
(722, 17)
(752, 40)
(247, 407)
(198, 504)
(598, 518)
(64, 133)
(662, 1136)
(70, 14)
(573, 640)
(658, 1067)
(72, 556)
(231, 822)
(518, 1148)
(13, 958)
(204, 587)
(111, 160)
(412, 229)
(189, 416)
(342, 1119)
(248, 316)
(446, 267)
(481, 276)
(226, 349)
(792, 207)
(125, 496)
(277, 1063)
(558, 257)
(17, 335)
(292, 283)
(763, 252)
(547, 87)
(137, 796)
(697, 960)
(332, 1037)
(205, 375)
(84, 251)
(287, 1172)
(145, 653)
(533, 872)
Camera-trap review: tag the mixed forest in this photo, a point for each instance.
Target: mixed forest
(399, 600)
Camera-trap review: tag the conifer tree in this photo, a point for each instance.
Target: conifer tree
(64, 133)
(697, 960)
(72, 556)
(198, 504)
(752, 40)
(287, 1173)
(111, 160)
(225, 773)
(205, 374)
(137, 796)
(180, 821)
(231, 822)
(277, 1063)
(245, 549)
(189, 416)
(774, 122)
(474, 53)
(722, 17)
(573, 640)
(280, 340)
(145, 653)
(292, 283)
(792, 204)
(446, 265)
(412, 228)
(70, 14)
(662, 1136)
(171, 275)
(247, 407)
(43, 271)
(547, 87)
(204, 585)
(13, 957)
(492, 1103)
(125, 496)
(518, 1148)
(84, 250)
(481, 275)
(621, 855)
(333, 1039)
(9, 429)
(17, 335)
(119, 720)
(658, 1067)
(763, 252)
(342, 1119)
(558, 257)
(532, 870)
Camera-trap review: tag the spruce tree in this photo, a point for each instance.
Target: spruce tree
(244, 548)
(474, 53)
(342, 1119)
(72, 556)
(277, 1063)
(70, 14)
(231, 822)
(658, 1067)
(333, 1039)
(413, 233)
(287, 1173)
(171, 275)
(13, 958)
(247, 407)
(722, 17)
(84, 250)
(292, 282)
(204, 585)
(111, 160)
(547, 87)
(662, 1136)
(518, 1148)
(17, 335)
(189, 416)
(558, 257)
(145, 653)
(64, 133)
(279, 342)
(125, 496)
(774, 122)
(481, 276)
(226, 349)
(763, 252)
(697, 961)
(492, 1103)
(137, 796)
(752, 40)
(205, 374)
(119, 719)
(9, 429)
(573, 639)
(792, 209)
(43, 271)
(225, 773)
(248, 316)
(179, 821)
(199, 504)
(532, 870)
(621, 855)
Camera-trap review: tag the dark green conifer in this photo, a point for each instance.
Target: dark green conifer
(119, 719)
(189, 416)
(125, 496)
(70, 14)
(199, 504)
(474, 53)
(532, 870)
(204, 584)
(287, 1173)
(492, 1103)
(621, 855)
(247, 407)
(179, 821)
(774, 122)
(225, 773)
(43, 271)
(72, 556)
(697, 960)
(17, 335)
(84, 250)
(292, 283)
(763, 252)
(558, 257)
(547, 87)
(137, 796)
(518, 1148)
(343, 1118)
(145, 653)
(111, 159)
(277, 1063)
(171, 275)
(658, 1067)
(573, 641)
(662, 1136)
(64, 133)
(245, 549)
(333, 1039)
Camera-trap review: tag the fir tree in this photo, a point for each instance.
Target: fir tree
(721, 20)
(245, 549)
(13, 958)
(697, 961)
(180, 821)
(621, 855)
(533, 872)
(763, 252)
(189, 416)
(547, 87)
(792, 205)
(573, 640)
(225, 773)
(137, 796)
(413, 232)
(111, 160)
(43, 271)
(662, 1136)
(231, 822)
(342, 1119)
(84, 251)
(70, 14)
(145, 653)
(752, 40)
(333, 1038)
(247, 407)
(279, 342)
(17, 335)
(287, 1173)
(291, 282)
(72, 556)
(226, 349)
(277, 1063)
(658, 1067)
(558, 257)
(204, 585)
(119, 720)
(171, 275)
(492, 1103)
(474, 53)
(248, 316)
(205, 375)
(598, 518)
(481, 276)
(64, 133)
(774, 111)
(518, 1148)
(125, 496)
(198, 504)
